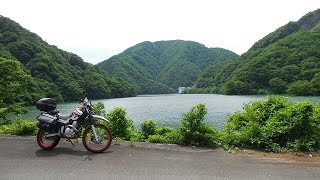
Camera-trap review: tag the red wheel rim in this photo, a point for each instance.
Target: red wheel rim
(104, 139)
(46, 143)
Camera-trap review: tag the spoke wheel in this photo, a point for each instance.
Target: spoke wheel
(46, 143)
(104, 139)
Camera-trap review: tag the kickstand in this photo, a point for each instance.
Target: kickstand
(71, 142)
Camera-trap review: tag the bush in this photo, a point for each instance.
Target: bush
(20, 127)
(193, 131)
(292, 128)
(98, 109)
(5, 109)
(120, 126)
(164, 134)
(243, 129)
(148, 127)
(274, 125)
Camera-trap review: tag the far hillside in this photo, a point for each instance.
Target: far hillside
(163, 66)
(31, 68)
(286, 61)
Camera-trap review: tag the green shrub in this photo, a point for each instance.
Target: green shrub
(98, 109)
(16, 108)
(164, 130)
(243, 129)
(292, 128)
(193, 131)
(274, 125)
(148, 127)
(20, 127)
(120, 126)
(164, 134)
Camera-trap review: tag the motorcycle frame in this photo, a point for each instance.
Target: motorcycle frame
(86, 116)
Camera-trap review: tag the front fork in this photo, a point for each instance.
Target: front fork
(94, 133)
(93, 128)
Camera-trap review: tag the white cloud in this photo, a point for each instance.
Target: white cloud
(98, 29)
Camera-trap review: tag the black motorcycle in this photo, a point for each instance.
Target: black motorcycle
(53, 126)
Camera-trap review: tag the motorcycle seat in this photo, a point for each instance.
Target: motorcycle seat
(64, 117)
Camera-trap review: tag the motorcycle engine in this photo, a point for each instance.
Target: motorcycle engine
(69, 130)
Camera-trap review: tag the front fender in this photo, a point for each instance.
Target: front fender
(100, 118)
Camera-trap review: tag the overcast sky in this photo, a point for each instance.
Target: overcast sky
(99, 29)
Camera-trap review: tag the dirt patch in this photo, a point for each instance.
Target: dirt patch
(169, 147)
(285, 157)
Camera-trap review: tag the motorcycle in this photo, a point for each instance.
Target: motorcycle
(52, 126)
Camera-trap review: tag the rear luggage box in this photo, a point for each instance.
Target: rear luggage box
(46, 104)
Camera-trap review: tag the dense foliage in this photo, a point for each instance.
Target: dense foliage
(285, 61)
(275, 125)
(31, 69)
(20, 127)
(13, 86)
(162, 67)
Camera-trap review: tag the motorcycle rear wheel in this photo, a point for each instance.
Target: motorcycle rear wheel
(46, 143)
(104, 139)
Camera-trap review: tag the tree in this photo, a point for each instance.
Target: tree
(301, 87)
(315, 84)
(13, 86)
(236, 87)
(277, 85)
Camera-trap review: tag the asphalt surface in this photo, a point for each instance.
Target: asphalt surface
(21, 158)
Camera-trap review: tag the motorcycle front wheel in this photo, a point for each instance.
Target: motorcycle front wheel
(104, 138)
(46, 143)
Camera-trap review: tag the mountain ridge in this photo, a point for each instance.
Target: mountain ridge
(284, 61)
(307, 22)
(164, 65)
(51, 72)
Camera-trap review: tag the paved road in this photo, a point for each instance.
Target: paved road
(21, 158)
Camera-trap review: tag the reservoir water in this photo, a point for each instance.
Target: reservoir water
(168, 109)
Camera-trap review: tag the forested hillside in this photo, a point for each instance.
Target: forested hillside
(163, 66)
(30, 69)
(285, 61)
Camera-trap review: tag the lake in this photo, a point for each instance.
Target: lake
(168, 109)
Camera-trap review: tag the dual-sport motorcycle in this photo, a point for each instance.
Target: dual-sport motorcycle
(53, 126)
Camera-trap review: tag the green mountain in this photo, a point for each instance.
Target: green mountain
(285, 61)
(163, 66)
(31, 69)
